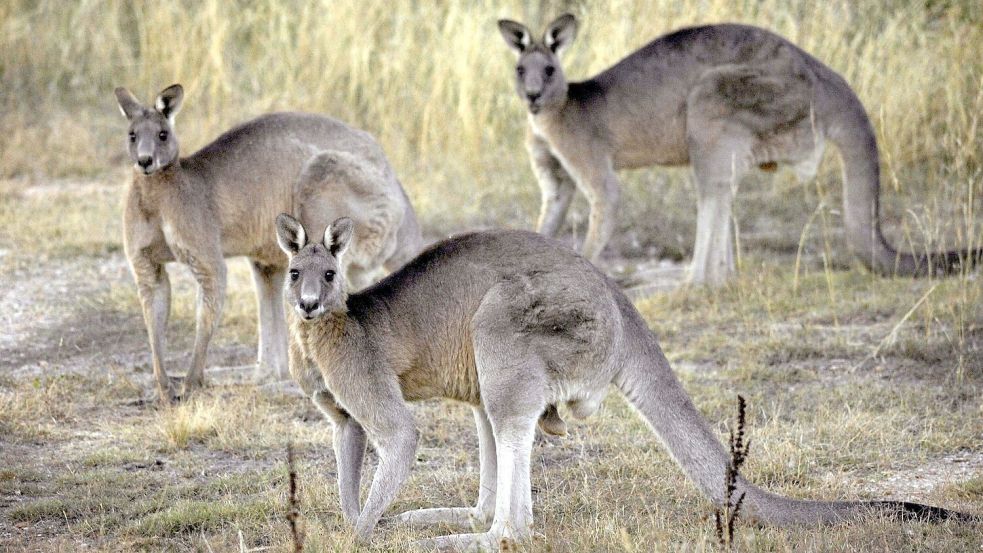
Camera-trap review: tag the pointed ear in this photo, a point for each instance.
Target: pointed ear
(560, 33)
(169, 101)
(290, 234)
(516, 35)
(128, 104)
(338, 236)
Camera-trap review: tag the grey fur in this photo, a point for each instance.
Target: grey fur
(511, 323)
(722, 98)
(221, 201)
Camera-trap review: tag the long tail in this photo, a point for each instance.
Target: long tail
(854, 137)
(651, 387)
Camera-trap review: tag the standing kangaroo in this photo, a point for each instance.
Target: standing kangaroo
(723, 98)
(509, 322)
(220, 202)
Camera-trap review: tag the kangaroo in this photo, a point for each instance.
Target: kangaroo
(219, 201)
(722, 98)
(512, 323)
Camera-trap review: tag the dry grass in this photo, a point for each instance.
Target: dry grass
(432, 81)
(83, 464)
(852, 379)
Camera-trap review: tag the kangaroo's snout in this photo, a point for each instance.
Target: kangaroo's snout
(308, 306)
(145, 161)
(309, 302)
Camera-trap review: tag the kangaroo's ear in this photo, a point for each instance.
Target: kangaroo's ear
(516, 35)
(169, 101)
(560, 33)
(290, 234)
(128, 104)
(338, 236)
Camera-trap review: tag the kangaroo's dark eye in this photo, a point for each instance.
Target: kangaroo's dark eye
(329, 276)
(162, 136)
(133, 136)
(549, 70)
(520, 71)
(294, 275)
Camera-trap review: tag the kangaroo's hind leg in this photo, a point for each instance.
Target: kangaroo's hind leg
(272, 357)
(480, 514)
(720, 160)
(514, 395)
(738, 116)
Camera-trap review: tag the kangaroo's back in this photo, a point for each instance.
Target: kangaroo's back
(270, 141)
(253, 171)
(460, 270)
(643, 99)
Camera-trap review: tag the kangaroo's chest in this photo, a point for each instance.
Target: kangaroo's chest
(322, 345)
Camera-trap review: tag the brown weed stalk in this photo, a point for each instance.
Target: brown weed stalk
(726, 518)
(293, 513)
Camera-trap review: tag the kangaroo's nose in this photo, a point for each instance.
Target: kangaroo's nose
(145, 161)
(309, 306)
(533, 96)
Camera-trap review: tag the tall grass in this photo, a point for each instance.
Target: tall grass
(432, 81)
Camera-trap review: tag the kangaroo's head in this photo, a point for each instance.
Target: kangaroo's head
(152, 143)
(539, 78)
(314, 285)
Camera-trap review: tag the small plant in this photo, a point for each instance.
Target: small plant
(293, 513)
(726, 518)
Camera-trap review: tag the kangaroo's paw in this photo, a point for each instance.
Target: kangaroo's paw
(457, 516)
(463, 542)
(493, 540)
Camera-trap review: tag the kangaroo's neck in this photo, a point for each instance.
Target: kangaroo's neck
(334, 326)
(548, 121)
(581, 98)
(160, 183)
(334, 333)
(173, 187)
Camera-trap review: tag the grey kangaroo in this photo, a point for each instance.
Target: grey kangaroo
(510, 322)
(723, 98)
(220, 202)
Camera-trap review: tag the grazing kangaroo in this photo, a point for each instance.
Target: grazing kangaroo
(510, 322)
(723, 98)
(220, 202)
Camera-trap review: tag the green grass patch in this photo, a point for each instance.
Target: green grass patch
(188, 516)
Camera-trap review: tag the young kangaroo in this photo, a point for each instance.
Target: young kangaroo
(509, 322)
(723, 98)
(220, 202)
